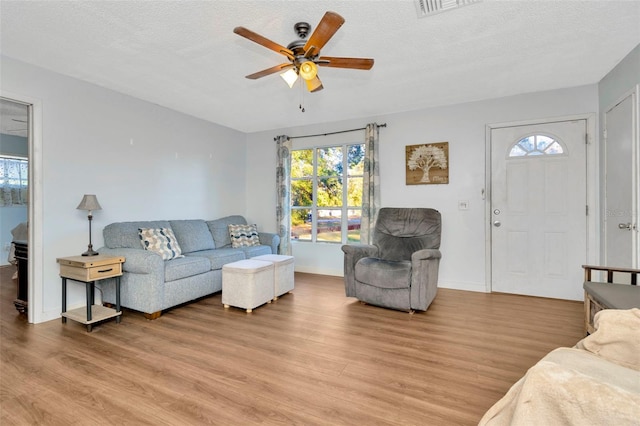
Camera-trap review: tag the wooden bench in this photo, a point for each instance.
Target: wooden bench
(609, 295)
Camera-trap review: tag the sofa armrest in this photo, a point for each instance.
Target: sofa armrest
(142, 285)
(270, 239)
(137, 261)
(352, 254)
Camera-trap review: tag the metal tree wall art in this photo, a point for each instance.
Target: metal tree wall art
(427, 163)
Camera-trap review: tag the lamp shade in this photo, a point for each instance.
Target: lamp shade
(89, 202)
(290, 76)
(308, 70)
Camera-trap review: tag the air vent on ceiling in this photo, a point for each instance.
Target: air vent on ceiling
(431, 7)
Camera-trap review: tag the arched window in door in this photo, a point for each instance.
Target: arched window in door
(537, 144)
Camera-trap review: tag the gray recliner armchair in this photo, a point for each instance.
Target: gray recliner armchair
(400, 269)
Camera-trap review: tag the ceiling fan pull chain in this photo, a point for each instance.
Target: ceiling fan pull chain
(301, 106)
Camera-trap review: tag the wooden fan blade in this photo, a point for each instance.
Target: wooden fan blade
(268, 71)
(314, 85)
(355, 63)
(263, 41)
(329, 24)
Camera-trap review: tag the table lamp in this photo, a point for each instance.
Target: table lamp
(89, 202)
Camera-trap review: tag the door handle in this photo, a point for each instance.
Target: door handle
(497, 224)
(625, 226)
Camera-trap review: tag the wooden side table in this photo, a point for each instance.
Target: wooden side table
(88, 270)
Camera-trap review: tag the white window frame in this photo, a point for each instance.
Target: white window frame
(344, 217)
(531, 154)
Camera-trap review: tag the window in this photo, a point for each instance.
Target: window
(326, 193)
(536, 145)
(14, 179)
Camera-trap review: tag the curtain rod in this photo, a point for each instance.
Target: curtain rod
(331, 133)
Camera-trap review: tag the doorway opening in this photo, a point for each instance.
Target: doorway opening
(621, 174)
(30, 126)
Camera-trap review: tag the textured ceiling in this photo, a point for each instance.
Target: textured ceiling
(185, 56)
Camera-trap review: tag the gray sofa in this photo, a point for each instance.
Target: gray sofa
(150, 284)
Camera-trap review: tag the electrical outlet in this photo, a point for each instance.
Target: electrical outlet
(463, 205)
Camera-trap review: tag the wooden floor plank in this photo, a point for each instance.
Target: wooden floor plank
(313, 357)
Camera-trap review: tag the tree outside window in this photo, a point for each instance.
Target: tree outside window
(326, 193)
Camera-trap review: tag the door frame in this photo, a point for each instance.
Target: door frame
(34, 212)
(591, 180)
(635, 169)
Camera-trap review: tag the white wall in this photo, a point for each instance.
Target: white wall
(619, 81)
(143, 161)
(463, 126)
(10, 217)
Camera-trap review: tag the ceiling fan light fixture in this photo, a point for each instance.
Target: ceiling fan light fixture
(290, 76)
(308, 70)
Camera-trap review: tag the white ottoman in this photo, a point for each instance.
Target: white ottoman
(247, 284)
(282, 272)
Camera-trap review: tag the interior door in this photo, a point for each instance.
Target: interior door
(621, 192)
(538, 209)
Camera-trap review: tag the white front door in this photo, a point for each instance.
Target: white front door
(621, 192)
(538, 209)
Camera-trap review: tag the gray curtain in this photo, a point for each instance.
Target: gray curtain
(283, 187)
(371, 186)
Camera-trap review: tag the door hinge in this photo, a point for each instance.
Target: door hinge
(586, 210)
(604, 133)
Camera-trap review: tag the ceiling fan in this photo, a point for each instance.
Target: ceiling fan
(304, 56)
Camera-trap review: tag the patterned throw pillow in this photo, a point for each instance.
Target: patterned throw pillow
(161, 241)
(244, 235)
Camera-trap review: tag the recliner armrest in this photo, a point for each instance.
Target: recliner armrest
(425, 264)
(425, 254)
(353, 253)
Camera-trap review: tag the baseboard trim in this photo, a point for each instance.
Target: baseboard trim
(318, 271)
(461, 285)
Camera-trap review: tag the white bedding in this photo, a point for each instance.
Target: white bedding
(595, 383)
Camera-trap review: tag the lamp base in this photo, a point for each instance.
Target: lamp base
(90, 252)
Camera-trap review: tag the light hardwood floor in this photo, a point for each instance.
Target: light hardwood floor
(313, 357)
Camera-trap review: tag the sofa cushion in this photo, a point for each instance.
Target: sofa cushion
(244, 235)
(125, 234)
(192, 235)
(184, 267)
(220, 229)
(161, 241)
(383, 273)
(614, 296)
(220, 256)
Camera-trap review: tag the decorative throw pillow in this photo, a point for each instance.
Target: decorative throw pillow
(161, 241)
(244, 235)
